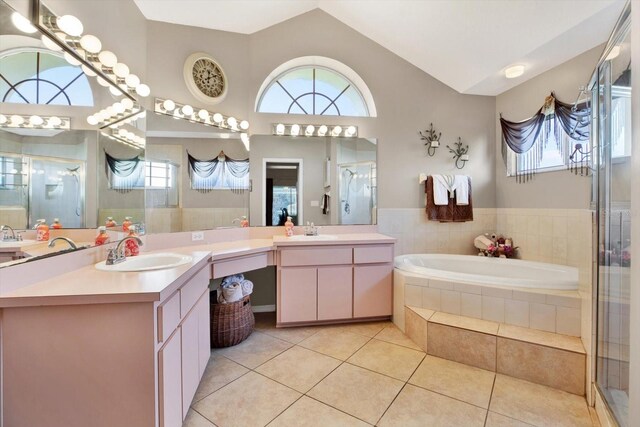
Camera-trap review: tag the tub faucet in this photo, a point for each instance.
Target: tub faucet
(5, 236)
(117, 255)
(71, 243)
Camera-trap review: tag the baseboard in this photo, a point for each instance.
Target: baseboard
(263, 308)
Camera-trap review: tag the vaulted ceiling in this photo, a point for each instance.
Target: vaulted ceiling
(466, 44)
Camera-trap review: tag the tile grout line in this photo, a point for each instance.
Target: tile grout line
(493, 386)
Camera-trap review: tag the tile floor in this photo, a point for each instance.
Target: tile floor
(360, 375)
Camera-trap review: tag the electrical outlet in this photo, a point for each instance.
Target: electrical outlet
(198, 235)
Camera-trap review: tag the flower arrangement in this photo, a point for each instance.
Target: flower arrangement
(496, 246)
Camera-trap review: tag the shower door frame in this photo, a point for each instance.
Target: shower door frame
(373, 200)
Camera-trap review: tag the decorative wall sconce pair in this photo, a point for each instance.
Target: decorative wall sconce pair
(432, 138)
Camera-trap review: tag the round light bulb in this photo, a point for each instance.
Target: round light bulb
(70, 25)
(91, 43)
(143, 90)
(244, 125)
(88, 71)
(337, 130)
(71, 60)
(108, 58)
(280, 129)
(322, 130)
(54, 121)
(232, 122)
(115, 91)
(17, 120)
(203, 114)
(110, 111)
(127, 103)
(132, 80)
(351, 131)
(36, 121)
(295, 130)
(3, 119)
(118, 108)
(121, 70)
(168, 105)
(218, 118)
(22, 23)
(50, 44)
(187, 110)
(309, 130)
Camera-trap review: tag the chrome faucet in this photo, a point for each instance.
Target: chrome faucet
(117, 255)
(5, 237)
(71, 243)
(311, 230)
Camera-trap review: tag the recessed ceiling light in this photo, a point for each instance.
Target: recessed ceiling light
(615, 51)
(513, 72)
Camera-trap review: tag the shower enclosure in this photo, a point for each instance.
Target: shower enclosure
(357, 192)
(611, 138)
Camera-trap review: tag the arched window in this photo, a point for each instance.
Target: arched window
(317, 86)
(41, 77)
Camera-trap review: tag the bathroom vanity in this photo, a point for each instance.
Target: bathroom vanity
(108, 348)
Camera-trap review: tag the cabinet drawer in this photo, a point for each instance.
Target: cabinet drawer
(168, 317)
(239, 265)
(316, 256)
(192, 290)
(372, 254)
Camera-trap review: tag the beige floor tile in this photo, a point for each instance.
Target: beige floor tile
(299, 368)
(497, 420)
(308, 412)
(368, 329)
(220, 371)
(388, 359)
(252, 400)
(335, 343)
(560, 369)
(194, 419)
(419, 407)
(255, 350)
(538, 405)
(357, 391)
(462, 345)
(394, 335)
(293, 334)
(462, 382)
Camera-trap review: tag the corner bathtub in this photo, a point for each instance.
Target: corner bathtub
(479, 270)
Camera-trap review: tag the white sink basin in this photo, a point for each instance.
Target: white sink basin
(304, 238)
(147, 262)
(18, 243)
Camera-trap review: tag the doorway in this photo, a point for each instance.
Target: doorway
(282, 191)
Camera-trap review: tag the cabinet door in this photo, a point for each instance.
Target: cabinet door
(372, 290)
(298, 298)
(170, 378)
(335, 293)
(190, 362)
(204, 336)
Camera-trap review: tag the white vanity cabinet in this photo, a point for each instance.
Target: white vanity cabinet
(334, 282)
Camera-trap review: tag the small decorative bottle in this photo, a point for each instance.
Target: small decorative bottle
(102, 236)
(288, 227)
(131, 247)
(126, 223)
(244, 222)
(56, 224)
(110, 222)
(42, 230)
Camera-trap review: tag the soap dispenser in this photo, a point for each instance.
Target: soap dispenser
(131, 247)
(102, 236)
(110, 222)
(244, 222)
(56, 224)
(42, 230)
(288, 227)
(126, 223)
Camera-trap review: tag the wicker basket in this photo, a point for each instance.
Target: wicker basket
(231, 323)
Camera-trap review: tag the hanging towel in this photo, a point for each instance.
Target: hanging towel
(325, 205)
(441, 186)
(247, 287)
(461, 185)
(452, 211)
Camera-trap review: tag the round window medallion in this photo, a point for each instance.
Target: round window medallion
(205, 78)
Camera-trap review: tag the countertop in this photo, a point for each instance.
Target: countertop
(87, 285)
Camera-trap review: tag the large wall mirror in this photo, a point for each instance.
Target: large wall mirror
(60, 120)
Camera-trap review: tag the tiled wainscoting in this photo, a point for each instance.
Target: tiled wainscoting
(14, 217)
(553, 360)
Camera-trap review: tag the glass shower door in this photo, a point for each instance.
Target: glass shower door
(357, 192)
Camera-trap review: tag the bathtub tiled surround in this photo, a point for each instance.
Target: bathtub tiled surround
(545, 358)
(545, 310)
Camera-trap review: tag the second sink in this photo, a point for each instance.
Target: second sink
(147, 262)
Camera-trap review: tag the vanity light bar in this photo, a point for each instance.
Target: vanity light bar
(114, 113)
(126, 137)
(202, 116)
(34, 122)
(68, 30)
(282, 129)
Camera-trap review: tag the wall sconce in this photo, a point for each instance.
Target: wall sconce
(176, 110)
(460, 155)
(282, 129)
(433, 140)
(34, 122)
